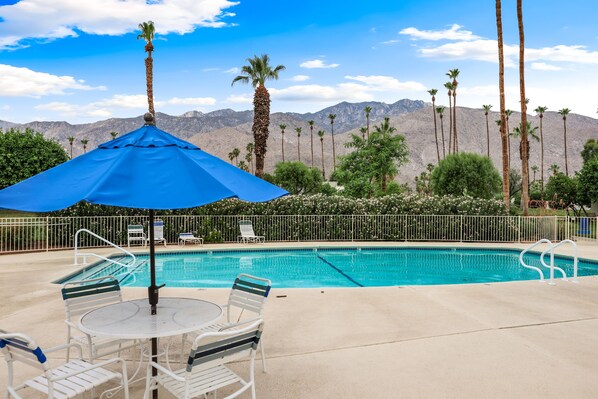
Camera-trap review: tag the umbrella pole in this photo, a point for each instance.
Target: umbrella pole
(153, 293)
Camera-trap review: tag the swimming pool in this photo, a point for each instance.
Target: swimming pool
(333, 267)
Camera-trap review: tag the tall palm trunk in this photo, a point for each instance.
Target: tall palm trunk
(524, 142)
(541, 159)
(322, 147)
(261, 121)
(442, 134)
(565, 138)
(455, 141)
(503, 125)
(487, 135)
(311, 138)
(149, 77)
(435, 128)
(450, 122)
(333, 148)
(282, 144)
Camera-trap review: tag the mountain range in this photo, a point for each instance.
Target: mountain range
(219, 132)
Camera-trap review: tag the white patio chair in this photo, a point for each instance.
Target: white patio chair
(79, 297)
(68, 380)
(206, 369)
(247, 234)
(135, 233)
(189, 237)
(245, 303)
(158, 232)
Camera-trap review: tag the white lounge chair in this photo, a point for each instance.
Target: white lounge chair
(247, 234)
(189, 237)
(158, 232)
(79, 297)
(68, 380)
(206, 369)
(245, 303)
(135, 233)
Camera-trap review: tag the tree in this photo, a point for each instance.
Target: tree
(486, 110)
(298, 130)
(321, 135)
(540, 111)
(440, 112)
(243, 166)
(311, 139)
(282, 126)
(147, 34)
(332, 117)
(554, 169)
(113, 135)
(433, 92)
(564, 112)
(508, 114)
(534, 170)
(466, 174)
(367, 110)
(84, 142)
(501, 83)
(71, 139)
(249, 157)
(523, 101)
(588, 181)
(231, 156)
(236, 153)
(297, 178)
(423, 182)
(258, 72)
(562, 190)
(590, 150)
(449, 86)
(373, 161)
(453, 74)
(363, 131)
(25, 154)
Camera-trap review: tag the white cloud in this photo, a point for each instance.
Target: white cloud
(392, 41)
(300, 78)
(233, 70)
(210, 69)
(480, 50)
(541, 66)
(240, 99)
(105, 108)
(453, 33)
(319, 64)
(16, 82)
(387, 83)
(45, 20)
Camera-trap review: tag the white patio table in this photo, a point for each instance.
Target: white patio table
(133, 319)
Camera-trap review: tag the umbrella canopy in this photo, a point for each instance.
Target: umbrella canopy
(146, 168)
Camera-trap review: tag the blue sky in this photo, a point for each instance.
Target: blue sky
(81, 62)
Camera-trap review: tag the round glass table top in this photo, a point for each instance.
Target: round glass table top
(133, 319)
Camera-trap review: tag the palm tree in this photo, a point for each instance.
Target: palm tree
(282, 126)
(363, 131)
(524, 142)
(503, 133)
(381, 133)
(147, 34)
(433, 92)
(540, 111)
(449, 86)
(113, 134)
(298, 130)
(84, 142)
(311, 140)
(249, 157)
(564, 112)
(534, 170)
(71, 139)
(453, 74)
(321, 135)
(440, 112)
(508, 113)
(231, 156)
(258, 72)
(486, 110)
(367, 110)
(555, 169)
(236, 153)
(519, 134)
(332, 116)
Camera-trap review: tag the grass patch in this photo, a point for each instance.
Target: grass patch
(6, 213)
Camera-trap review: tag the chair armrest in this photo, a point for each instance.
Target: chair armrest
(165, 371)
(239, 324)
(94, 366)
(66, 346)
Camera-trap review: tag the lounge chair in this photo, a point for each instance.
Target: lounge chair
(247, 234)
(68, 380)
(189, 237)
(79, 297)
(158, 232)
(206, 369)
(135, 233)
(245, 303)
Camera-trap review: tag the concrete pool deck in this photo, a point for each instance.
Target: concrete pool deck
(522, 339)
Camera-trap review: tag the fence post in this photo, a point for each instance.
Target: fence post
(47, 233)
(519, 228)
(461, 235)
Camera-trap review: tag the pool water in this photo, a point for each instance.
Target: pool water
(338, 267)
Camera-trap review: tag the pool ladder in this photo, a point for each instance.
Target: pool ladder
(131, 263)
(551, 266)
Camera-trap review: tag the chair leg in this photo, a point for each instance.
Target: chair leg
(263, 358)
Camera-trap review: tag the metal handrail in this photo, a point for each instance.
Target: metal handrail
(542, 241)
(574, 257)
(552, 266)
(86, 254)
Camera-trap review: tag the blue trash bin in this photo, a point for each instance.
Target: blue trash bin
(584, 226)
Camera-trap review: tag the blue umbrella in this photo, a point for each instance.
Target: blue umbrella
(146, 168)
